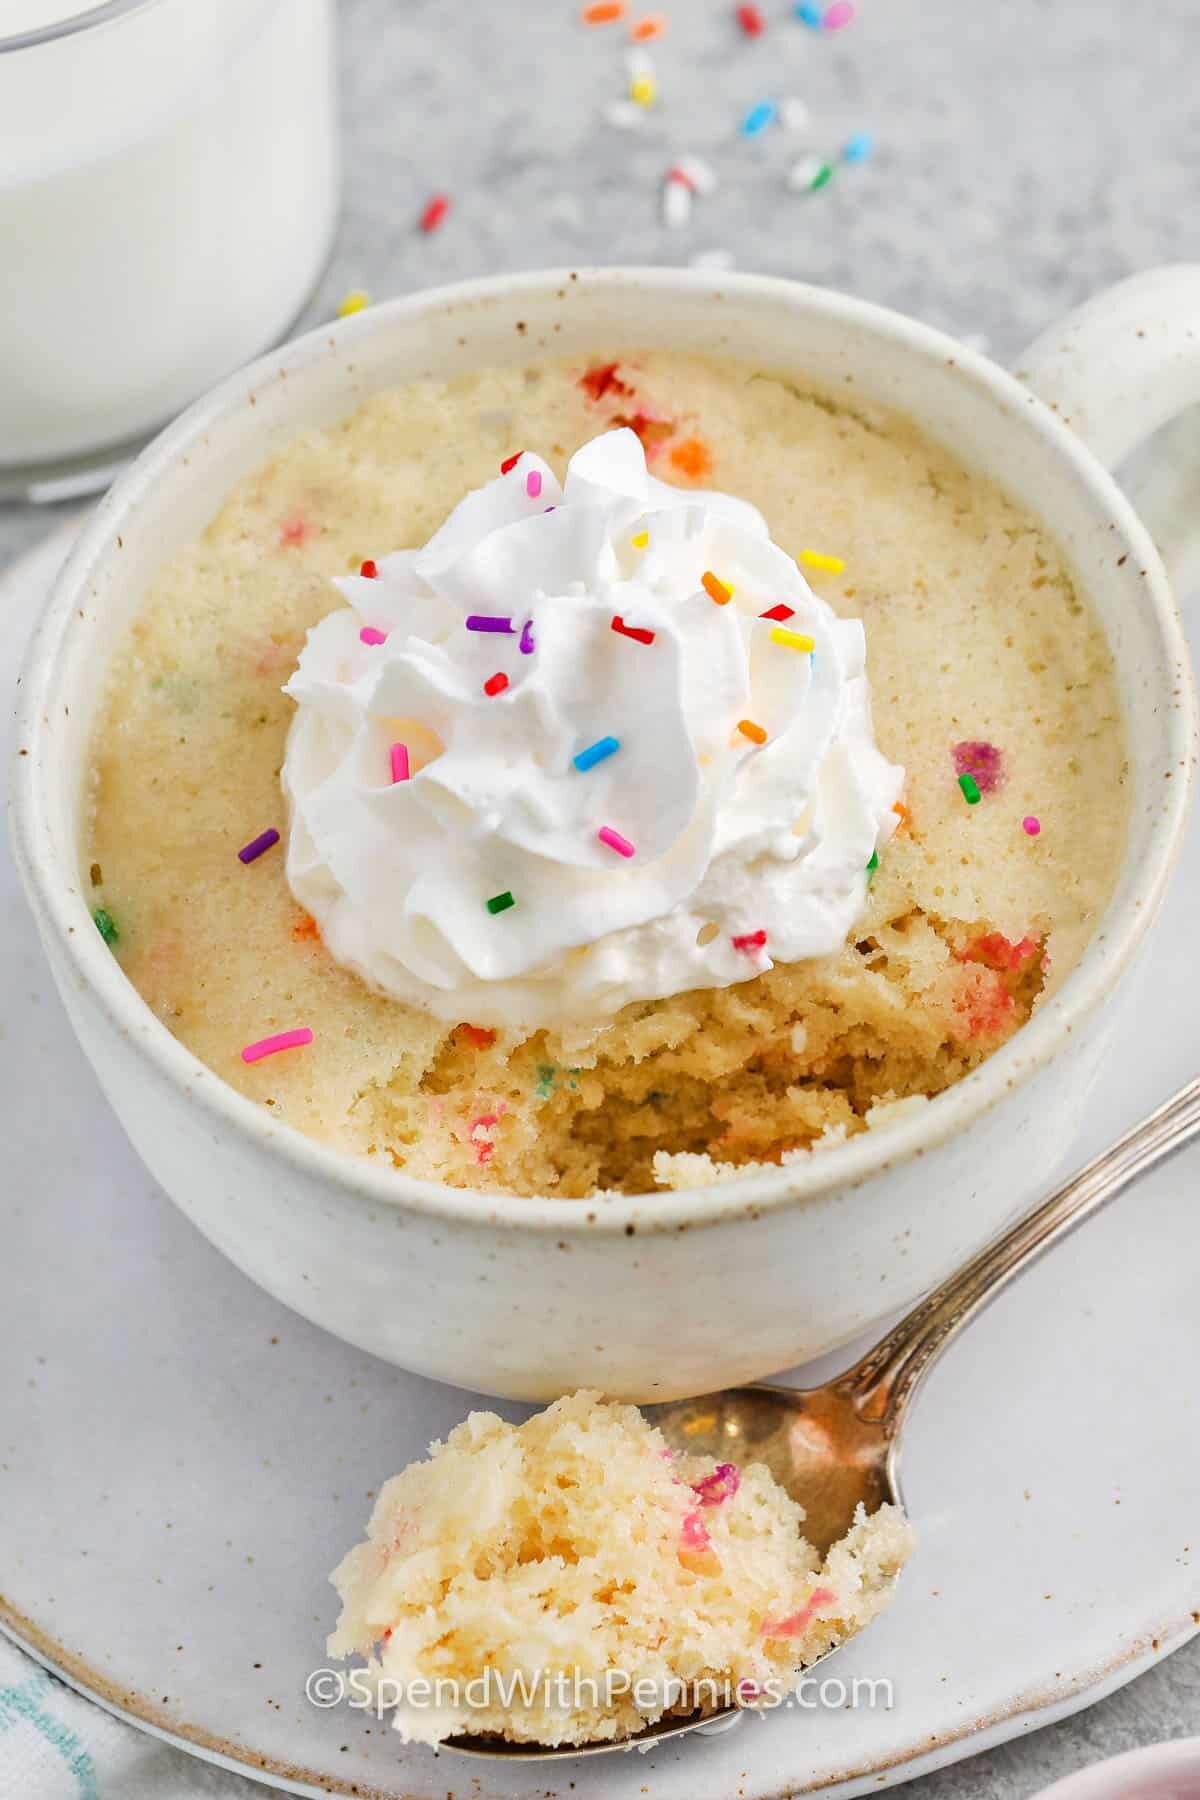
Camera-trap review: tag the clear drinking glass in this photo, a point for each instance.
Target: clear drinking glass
(168, 194)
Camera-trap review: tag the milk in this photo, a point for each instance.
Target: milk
(168, 187)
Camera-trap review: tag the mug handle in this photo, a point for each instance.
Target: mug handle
(1118, 370)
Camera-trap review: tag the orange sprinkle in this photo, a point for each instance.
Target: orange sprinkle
(651, 26)
(603, 12)
(754, 732)
(692, 458)
(306, 930)
(478, 1036)
(715, 589)
(905, 817)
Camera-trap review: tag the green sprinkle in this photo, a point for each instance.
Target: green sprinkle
(874, 862)
(545, 1080)
(500, 902)
(106, 925)
(970, 788)
(823, 175)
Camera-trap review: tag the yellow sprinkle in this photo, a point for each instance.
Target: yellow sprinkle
(643, 89)
(704, 1422)
(792, 640)
(815, 560)
(641, 540)
(353, 302)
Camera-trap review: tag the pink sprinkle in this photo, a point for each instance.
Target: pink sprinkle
(982, 760)
(283, 1040)
(615, 841)
(1031, 825)
(370, 635)
(693, 1533)
(794, 1625)
(750, 941)
(533, 483)
(721, 1485)
(399, 759)
(837, 15)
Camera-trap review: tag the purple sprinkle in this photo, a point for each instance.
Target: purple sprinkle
(526, 645)
(254, 849)
(488, 622)
(982, 760)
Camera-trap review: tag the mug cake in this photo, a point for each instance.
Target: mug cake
(606, 776)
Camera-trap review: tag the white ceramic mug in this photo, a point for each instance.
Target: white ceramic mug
(662, 1294)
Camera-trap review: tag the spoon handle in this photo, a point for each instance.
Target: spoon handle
(883, 1381)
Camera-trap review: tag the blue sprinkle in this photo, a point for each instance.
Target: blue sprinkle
(858, 148)
(808, 14)
(758, 118)
(587, 759)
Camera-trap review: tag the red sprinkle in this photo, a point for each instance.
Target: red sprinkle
(982, 760)
(603, 380)
(478, 1036)
(721, 1485)
(495, 684)
(435, 211)
(996, 951)
(369, 569)
(779, 613)
(632, 631)
(794, 1625)
(750, 940)
(751, 21)
(510, 462)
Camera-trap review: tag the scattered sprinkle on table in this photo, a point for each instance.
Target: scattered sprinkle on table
(371, 634)
(779, 613)
(856, 149)
(435, 212)
(282, 1040)
(809, 175)
(751, 20)
(676, 200)
(254, 849)
(489, 622)
(369, 569)
(596, 753)
(398, 758)
(795, 114)
(815, 559)
(838, 15)
(1031, 825)
(792, 640)
(533, 483)
(643, 90)
(495, 684)
(716, 589)
(809, 14)
(353, 302)
(650, 25)
(500, 902)
(636, 632)
(106, 925)
(754, 732)
(758, 118)
(970, 788)
(750, 941)
(603, 12)
(615, 841)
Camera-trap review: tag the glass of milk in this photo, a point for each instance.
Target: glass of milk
(168, 194)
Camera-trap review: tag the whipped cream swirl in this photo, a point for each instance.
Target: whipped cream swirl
(743, 852)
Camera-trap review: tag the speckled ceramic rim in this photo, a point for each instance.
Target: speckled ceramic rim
(845, 1166)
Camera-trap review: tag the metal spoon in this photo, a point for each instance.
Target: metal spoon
(833, 1446)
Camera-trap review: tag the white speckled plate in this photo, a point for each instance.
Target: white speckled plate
(181, 1460)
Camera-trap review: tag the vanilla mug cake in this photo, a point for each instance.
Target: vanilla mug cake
(606, 774)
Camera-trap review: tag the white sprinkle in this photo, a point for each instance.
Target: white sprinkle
(712, 259)
(801, 175)
(701, 176)
(676, 202)
(795, 114)
(640, 65)
(625, 115)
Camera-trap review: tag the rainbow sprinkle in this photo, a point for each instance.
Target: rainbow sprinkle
(651, 26)
(489, 622)
(856, 149)
(1031, 825)
(106, 925)
(780, 612)
(495, 684)
(758, 118)
(751, 21)
(716, 589)
(635, 632)
(837, 15)
(872, 865)
(615, 841)
(750, 941)
(353, 302)
(809, 14)
(369, 569)
(754, 732)
(596, 753)
(792, 640)
(371, 635)
(254, 849)
(510, 462)
(641, 540)
(526, 645)
(816, 559)
(282, 1040)
(970, 788)
(603, 12)
(500, 902)
(398, 757)
(434, 213)
(533, 483)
